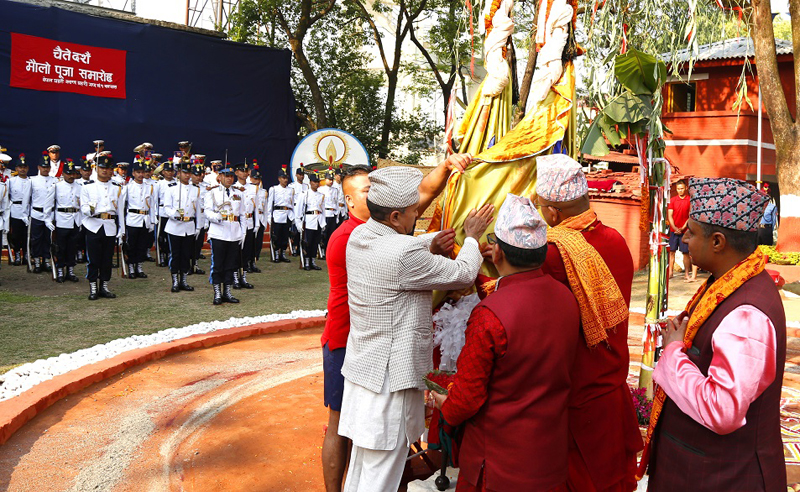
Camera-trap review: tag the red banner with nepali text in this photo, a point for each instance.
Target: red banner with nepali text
(49, 65)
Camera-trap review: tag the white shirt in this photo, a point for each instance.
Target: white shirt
(249, 196)
(55, 167)
(107, 198)
(140, 198)
(200, 218)
(331, 200)
(211, 179)
(5, 209)
(181, 198)
(43, 192)
(280, 204)
(161, 193)
(310, 201)
(229, 201)
(340, 199)
(19, 192)
(299, 189)
(68, 196)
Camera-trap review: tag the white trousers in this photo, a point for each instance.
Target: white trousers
(377, 471)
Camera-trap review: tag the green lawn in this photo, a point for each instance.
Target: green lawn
(40, 318)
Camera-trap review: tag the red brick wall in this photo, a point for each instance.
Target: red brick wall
(623, 215)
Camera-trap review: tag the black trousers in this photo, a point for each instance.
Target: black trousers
(248, 251)
(180, 253)
(67, 244)
(765, 235)
(138, 239)
(224, 260)
(163, 241)
(82, 239)
(100, 255)
(280, 235)
(295, 234)
(330, 226)
(198, 244)
(40, 239)
(311, 241)
(18, 235)
(258, 242)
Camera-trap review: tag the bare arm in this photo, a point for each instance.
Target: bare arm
(433, 184)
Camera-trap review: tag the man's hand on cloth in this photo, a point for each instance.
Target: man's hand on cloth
(478, 220)
(458, 162)
(444, 242)
(438, 399)
(675, 330)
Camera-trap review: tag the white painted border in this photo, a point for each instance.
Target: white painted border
(717, 143)
(22, 378)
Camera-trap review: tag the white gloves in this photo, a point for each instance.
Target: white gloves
(27, 221)
(50, 225)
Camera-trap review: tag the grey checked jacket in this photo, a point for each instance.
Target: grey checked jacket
(390, 279)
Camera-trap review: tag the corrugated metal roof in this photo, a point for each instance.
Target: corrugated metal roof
(727, 49)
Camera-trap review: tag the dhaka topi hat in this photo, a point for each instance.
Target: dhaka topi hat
(559, 178)
(394, 186)
(726, 202)
(519, 224)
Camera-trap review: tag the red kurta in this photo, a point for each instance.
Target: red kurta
(604, 432)
(512, 387)
(337, 325)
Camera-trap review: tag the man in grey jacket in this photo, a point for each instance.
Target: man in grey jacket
(391, 276)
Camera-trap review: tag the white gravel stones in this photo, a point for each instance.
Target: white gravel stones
(22, 378)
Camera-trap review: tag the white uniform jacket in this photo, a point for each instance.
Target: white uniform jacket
(5, 205)
(141, 211)
(248, 192)
(331, 200)
(68, 204)
(310, 211)
(43, 193)
(103, 205)
(161, 191)
(181, 206)
(280, 204)
(224, 208)
(299, 189)
(19, 193)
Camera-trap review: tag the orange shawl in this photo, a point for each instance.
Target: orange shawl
(600, 301)
(704, 302)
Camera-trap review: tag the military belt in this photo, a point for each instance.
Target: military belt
(184, 219)
(230, 218)
(106, 216)
(17, 203)
(313, 212)
(282, 208)
(331, 209)
(249, 216)
(136, 211)
(68, 210)
(38, 209)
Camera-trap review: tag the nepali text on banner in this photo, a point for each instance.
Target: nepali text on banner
(48, 65)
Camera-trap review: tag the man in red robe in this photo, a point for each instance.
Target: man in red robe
(513, 379)
(594, 261)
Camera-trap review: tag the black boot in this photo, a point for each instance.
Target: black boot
(46, 265)
(131, 271)
(197, 270)
(183, 285)
(277, 258)
(314, 265)
(149, 258)
(37, 265)
(17, 258)
(254, 268)
(93, 291)
(243, 281)
(71, 275)
(228, 297)
(307, 264)
(104, 292)
(218, 294)
(175, 286)
(282, 257)
(236, 280)
(60, 275)
(140, 271)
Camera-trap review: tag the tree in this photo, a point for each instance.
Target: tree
(294, 18)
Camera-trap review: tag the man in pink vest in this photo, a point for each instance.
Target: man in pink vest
(513, 381)
(716, 414)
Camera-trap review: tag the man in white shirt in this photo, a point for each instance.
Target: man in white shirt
(102, 206)
(391, 276)
(5, 206)
(19, 192)
(280, 214)
(168, 173)
(140, 220)
(331, 208)
(68, 222)
(201, 223)
(248, 191)
(86, 176)
(299, 188)
(54, 156)
(43, 188)
(260, 216)
(181, 207)
(309, 217)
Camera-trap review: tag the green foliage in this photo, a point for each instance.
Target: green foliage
(782, 26)
(778, 258)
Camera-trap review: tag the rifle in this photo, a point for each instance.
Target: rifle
(53, 255)
(8, 248)
(272, 253)
(28, 246)
(121, 259)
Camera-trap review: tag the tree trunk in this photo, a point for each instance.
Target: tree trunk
(527, 78)
(383, 151)
(784, 129)
(313, 84)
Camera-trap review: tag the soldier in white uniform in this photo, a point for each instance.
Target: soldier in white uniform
(19, 193)
(86, 176)
(261, 217)
(102, 206)
(331, 208)
(248, 225)
(68, 222)
(5, 160)
(280, 211)
(151, 163)
(121, 174)
(43, 189)
(54, 156)
(198, 170)
(224, 208)
(299, 188)
(5, 205)
(140, 220)
(310, 221)
(99, 147)
(168, 173)
(181, 206)
(211, 179)
(337, 183)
